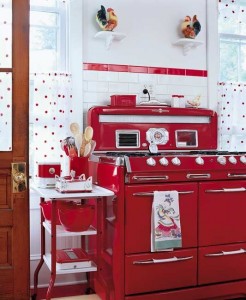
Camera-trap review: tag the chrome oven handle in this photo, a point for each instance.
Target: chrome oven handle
(236, 175)
(198, 176)
(222, 253)
(160, 261)
(148, 178)
(223, 190)
(152, 193)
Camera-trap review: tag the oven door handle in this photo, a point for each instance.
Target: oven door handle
(236, 175)
(223, 190)
(198, 176)
(161, 261)
(222, 253)
(148, 178)
(152, 193)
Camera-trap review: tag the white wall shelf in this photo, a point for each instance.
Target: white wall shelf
(109, 37)
(187, 44)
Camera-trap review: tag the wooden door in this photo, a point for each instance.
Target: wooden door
(14, 202)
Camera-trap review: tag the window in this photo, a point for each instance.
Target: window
(48, 35)
(50, 84)
(232, 36)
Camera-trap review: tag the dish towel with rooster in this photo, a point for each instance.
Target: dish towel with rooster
(165, 221)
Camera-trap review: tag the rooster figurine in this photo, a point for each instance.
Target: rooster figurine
(106, 23)
(195, 102)
(190, 27)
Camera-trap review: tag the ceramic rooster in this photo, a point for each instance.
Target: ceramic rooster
(190, 27)
(195, 102)
(107, 23)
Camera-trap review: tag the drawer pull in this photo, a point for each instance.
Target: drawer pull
(227, 190)
(148, 178)
(160, 261)
(198, 176)
(152, 193)
(222, 253)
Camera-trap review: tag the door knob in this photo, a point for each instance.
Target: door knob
(19, 181)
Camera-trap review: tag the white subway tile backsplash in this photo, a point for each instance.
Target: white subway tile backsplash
(135, 88)
(90, 75)
(161, 89)
(163, 79)
(95, 86)
(100, 85)
(128, 77)
(108, 76)
(195, 81)
(95, 97)
(148, 78)
(122, 88)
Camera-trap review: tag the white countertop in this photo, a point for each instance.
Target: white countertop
(52, 194)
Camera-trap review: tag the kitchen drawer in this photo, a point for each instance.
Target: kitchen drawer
(160, 271)
(138, 209)
(221, 216)
(221, 263)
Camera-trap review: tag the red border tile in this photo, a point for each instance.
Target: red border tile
(155, 70)
(95, 67)
(138, 69)
(143, 69)
(171, 71)
(195, 73)
(118, 68)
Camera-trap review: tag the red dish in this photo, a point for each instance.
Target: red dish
(76, 217)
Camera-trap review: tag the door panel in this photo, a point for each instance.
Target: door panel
(137, 234)
(14, 206)
(222, 209)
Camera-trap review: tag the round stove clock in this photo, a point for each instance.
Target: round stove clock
(156, 136)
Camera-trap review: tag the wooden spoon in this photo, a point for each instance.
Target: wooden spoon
(78, 142)
(88, 133)
(74, 127)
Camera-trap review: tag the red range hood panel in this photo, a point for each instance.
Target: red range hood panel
(125, 128)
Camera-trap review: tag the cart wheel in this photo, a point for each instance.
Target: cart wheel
(34, 296)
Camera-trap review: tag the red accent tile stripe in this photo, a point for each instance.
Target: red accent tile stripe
(143, 69)
(118, 68)
(153, 70)
(195, 73)
(138, 69)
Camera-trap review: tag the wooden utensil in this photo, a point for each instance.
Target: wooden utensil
(74, 127)
(88, 133)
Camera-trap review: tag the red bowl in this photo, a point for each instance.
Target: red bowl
(76, 217)
(46, 210)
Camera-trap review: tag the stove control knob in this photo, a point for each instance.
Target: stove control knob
(221, 160)
(163, 161)
(176, 161)
(199, 160)
(151, 161)
(232, 160)
(243, 159)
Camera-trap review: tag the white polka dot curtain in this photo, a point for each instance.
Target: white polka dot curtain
(50, 110)
(232, 95)
(232, 116)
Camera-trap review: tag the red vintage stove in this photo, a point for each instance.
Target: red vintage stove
(145, 149)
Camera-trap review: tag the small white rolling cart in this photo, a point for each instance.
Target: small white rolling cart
(97, 193)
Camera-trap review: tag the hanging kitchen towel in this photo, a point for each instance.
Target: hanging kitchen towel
(165, 223)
